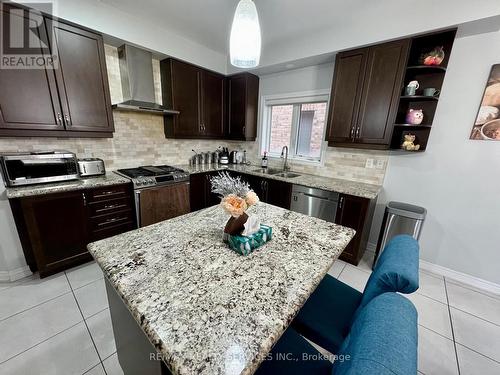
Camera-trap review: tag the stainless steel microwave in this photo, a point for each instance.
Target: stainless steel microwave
(28, 168)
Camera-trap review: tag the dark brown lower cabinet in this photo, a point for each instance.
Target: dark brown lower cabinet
(356, 213)
(200, 192)
(55, 228)
(277, 193)
(274, 192)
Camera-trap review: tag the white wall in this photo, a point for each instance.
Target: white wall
(110, 20)
(318, 77)
(456, 179)
(368, 22)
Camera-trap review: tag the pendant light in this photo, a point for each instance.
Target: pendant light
(245, 41)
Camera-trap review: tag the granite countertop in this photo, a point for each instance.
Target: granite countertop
(358, 189)
(205, 308)
(59, 187)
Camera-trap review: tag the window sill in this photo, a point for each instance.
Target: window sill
(312, 163)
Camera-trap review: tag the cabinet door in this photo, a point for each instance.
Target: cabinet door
(82, 78)
(185, 81)
(212, 103)
(28, 97)
(237, 106)
(164, 203)
(57, 227)
(197, 191)
(278, 193)
(351, 212)
(243, 98)
(381, 91)
(346, 95)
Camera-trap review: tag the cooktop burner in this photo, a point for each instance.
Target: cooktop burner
(152, 175)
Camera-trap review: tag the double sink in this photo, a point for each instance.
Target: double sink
(276, 172)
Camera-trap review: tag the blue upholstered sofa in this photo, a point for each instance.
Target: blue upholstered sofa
(376, 329)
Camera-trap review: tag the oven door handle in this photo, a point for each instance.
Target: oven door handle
(137, 198)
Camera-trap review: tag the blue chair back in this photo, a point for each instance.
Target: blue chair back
(382, 340)
(396, 270)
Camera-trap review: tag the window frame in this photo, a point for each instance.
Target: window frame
(296, 99)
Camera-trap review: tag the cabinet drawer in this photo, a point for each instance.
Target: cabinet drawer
(108, 193)
(110, 206)
(110, 231)
(111, 220)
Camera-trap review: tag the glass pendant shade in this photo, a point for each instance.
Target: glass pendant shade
(245, 40)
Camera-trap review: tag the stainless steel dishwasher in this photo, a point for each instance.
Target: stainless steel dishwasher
(315, 202)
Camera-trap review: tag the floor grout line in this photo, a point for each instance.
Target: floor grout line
(37, 305)
(452, 329)
(472, 289)
(475, 316)
(83, 286)
(85, 322)
(479, 353)
(41, 342)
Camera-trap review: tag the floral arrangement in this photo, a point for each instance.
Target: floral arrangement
(236, 194)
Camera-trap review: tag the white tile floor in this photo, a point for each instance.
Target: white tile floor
(62, 324)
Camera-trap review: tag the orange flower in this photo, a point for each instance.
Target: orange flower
(234, 205)
(251, 198)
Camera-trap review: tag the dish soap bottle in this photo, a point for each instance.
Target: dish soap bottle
(263, 163)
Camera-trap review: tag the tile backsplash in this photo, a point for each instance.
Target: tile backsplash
(139, 140)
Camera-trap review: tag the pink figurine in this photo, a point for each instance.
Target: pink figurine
(414, 116)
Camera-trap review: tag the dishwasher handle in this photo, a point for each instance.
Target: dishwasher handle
(336, 199)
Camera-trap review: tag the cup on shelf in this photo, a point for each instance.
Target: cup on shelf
(431, 91)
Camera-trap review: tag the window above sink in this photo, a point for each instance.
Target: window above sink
(296, 120)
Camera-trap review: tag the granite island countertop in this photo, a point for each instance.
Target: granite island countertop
(358, 189)
(58, 187)
(206, 309)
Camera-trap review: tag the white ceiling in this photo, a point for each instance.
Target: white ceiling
(208, 22)
(295, 32)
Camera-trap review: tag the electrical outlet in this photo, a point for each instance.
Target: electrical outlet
(369, 163)
(379, 164)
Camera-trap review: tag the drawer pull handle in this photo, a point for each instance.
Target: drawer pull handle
(111, 220)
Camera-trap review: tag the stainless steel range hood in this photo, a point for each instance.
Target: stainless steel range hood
(138, 88)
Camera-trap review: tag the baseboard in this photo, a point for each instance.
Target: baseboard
(16, 274)
(464, 278)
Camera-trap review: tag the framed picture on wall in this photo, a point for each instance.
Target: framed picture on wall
(487, 125)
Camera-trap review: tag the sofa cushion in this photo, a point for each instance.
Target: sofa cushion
(326, 316)
(396, 269)
(382, 340)
(292, 355)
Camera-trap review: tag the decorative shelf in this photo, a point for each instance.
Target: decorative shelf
(430, 68)
(423, 126)
(419, 97)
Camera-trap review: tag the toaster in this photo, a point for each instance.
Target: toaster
(91, 167)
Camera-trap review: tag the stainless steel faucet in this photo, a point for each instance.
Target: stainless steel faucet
(284, 153)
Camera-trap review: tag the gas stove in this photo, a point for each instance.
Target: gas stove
(154, 175)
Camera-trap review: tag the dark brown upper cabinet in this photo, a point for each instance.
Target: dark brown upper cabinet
(198, 94)
(243, 95)
(365, 93)
(28, 97)
(71, 100)
(82, 79)
(210, 104)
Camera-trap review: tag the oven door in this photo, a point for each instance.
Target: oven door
(161, 203)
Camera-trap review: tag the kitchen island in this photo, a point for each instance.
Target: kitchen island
(204, 308)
